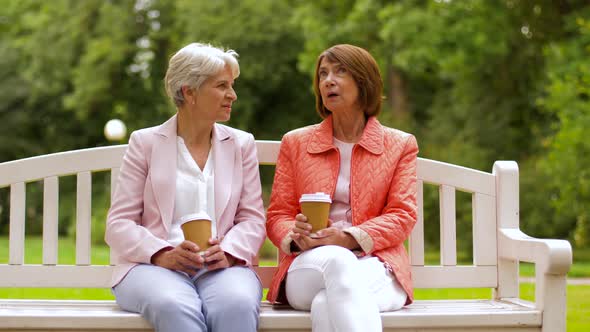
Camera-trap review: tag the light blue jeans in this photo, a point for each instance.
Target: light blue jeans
(224, 300)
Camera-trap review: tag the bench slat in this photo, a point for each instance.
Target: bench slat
(462, 178)
(416, 246)
(484, 230)
(104, 158)
(17, 223)
(462, 276)
(62, 314)
(83, 217)
(460, 314)
(59, 276)
(60, 164)
(114, 176)
(268, 151)
(99, 276)
(50, 219)
(448, 228)
(483, 315)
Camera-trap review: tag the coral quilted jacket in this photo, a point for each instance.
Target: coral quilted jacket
(382, 191)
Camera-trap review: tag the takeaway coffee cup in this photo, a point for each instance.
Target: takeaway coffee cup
(196, 228)
(316, 207)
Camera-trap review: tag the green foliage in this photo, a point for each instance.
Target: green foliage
(270, 89)
(567, 97)
(476, 71)
(476, 81)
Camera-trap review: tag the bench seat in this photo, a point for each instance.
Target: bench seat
(422, 315)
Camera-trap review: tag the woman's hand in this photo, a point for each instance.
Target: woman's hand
(301, 232)
(337, 237)
(215, 258)
(327, 236)
(183, 258)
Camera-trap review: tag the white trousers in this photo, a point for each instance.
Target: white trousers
(343, 292)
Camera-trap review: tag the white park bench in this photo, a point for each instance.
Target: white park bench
(498, 247)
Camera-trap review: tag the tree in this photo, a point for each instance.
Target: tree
(67, 64)
(273, 96)
(567, 97)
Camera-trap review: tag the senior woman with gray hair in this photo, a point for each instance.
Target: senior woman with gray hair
(190, 164)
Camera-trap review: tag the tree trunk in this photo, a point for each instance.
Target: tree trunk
(397, 98)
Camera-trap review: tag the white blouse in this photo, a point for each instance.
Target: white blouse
(340, 212)
(194, 190)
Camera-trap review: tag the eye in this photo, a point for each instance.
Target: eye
(322, 74)
(341, 70)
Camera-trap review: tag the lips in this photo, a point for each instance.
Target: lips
(332, 94)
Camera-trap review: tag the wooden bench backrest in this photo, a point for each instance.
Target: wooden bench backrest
(48, 168)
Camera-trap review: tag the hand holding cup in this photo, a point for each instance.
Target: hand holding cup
(216, 258)
(183, 258)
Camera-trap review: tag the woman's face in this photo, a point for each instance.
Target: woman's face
(214, 98)
(337, 87)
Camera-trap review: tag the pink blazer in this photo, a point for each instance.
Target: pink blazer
(141, 211)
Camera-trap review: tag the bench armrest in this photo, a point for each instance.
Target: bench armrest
(550, 256)
(553, 259)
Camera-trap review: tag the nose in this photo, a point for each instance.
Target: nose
(232, 94)
(329, 79)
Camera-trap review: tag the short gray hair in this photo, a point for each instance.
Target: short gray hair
(194, 64)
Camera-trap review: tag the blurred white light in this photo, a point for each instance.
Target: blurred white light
(143, 42)
(155, 25)
(115, 130)
(153, 14)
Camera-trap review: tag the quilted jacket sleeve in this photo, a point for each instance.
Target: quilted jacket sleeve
(396, 222)
(283, 200)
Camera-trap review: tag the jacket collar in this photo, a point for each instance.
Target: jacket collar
(221, 133)
(168, 128)
(322, 137)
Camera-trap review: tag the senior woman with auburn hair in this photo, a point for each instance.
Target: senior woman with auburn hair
(190, 164)
(349, 272)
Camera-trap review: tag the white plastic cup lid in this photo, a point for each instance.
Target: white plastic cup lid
(317, 197)
(194, 216)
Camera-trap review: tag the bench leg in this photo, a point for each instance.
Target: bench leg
(550, 296)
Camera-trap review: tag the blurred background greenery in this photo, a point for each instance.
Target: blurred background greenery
(475, 80)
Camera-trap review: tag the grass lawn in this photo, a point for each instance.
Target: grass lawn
(66, 256)
(578, 297)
